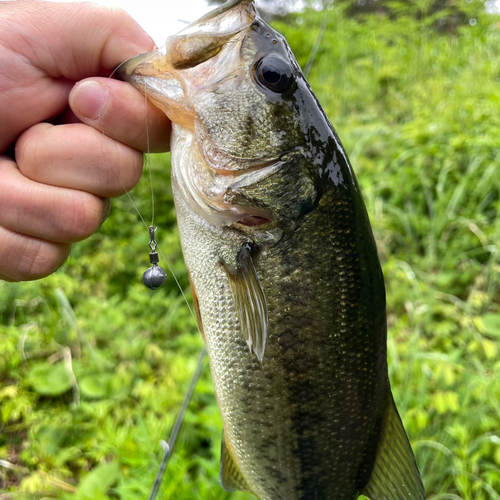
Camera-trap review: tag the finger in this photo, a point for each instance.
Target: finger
(121, 112)
(25, 258)
(79, 157)
(72, 40)
(50, 213)
(26, 99)
(45, 47)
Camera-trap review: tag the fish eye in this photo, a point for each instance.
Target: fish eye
(274, 73)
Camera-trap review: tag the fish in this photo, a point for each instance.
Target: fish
(283, 266)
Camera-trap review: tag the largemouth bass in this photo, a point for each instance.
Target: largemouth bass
(283, 266)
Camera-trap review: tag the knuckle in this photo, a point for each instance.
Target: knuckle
(107, 177)
(30, 151)
(122, 171)
(133, 171)
(82, 217)
(35, 259)
(40, 259)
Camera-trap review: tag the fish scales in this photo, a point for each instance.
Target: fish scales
(315, 382)
(283, 266)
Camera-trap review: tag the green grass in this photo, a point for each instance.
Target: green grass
(93, 367)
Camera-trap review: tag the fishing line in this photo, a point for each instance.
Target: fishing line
(149, 158)
(180, 288)
(315, 47)
(142, 218)
(169, 445)
(149, 161)
(148, 280)
(155, 276)
(116, 169)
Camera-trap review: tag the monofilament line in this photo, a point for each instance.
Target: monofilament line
(169, 445)
(316, 45)
(149, 157)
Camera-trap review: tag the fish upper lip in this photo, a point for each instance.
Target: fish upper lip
(221, 12)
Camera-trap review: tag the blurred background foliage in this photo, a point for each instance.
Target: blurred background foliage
(93, 366)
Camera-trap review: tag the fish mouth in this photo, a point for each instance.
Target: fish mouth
(210, 180)
(160, 74)
(224, 9)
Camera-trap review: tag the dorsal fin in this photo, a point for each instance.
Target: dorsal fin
(230, 475)
(395, 475)
(250, 302)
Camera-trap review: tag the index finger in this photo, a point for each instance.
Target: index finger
(46, 47)
(71, 40)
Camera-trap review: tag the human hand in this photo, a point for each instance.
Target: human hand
(54, 192)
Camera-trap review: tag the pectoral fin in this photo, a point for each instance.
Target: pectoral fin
(395, 475)
(250, 302)
(230, 476)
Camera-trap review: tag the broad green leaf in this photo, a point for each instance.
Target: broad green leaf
(492, 324)
(95, 386)
(50, 380)
(97, 482)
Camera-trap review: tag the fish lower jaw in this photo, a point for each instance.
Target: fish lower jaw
(212, 196)
(222, 211)
(209, 203)
(216, 193)
(231, 216)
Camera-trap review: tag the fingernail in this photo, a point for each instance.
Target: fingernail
(88, 99)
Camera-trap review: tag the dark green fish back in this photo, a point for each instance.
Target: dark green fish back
(327, 327)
